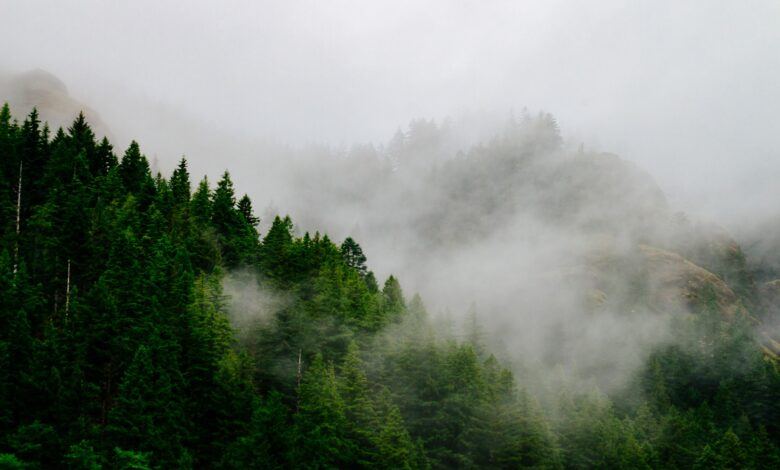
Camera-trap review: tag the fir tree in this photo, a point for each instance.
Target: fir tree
(353, 256)
(321, 427)
(245, 208)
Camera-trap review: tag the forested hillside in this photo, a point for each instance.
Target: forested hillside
(118, 346)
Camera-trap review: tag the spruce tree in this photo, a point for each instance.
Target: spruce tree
(321, 438)
(353, 255)
(395, 448)
(394, 303)
(180, 183)
(134, 169)
(148, 415)
(358, 405)
(245, 208)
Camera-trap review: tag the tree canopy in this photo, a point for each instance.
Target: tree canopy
(117, 348)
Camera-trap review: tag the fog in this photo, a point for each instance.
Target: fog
(684, 88)
(276, 92)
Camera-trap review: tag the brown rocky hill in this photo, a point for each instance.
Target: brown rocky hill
(49, 95)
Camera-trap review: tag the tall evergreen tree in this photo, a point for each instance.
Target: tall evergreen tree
(321, 427)
(134, 169)
(353, 255)
(245, 208)
(148, 415)
(180, 183)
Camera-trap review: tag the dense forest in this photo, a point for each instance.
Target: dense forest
(117, 348)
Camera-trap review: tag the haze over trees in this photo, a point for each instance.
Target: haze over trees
(118, 350)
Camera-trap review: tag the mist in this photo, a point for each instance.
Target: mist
(303, 102)
(680, 87)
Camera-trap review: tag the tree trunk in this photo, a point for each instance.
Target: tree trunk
(18, 218)
(298, 382)
(67, 293)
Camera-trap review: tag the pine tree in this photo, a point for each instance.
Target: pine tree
(353, 255)
(359, 409)
(134, 169)
(276, 250)
(265, 444)
(180, 183)
(202, 242)
(34, 155)
(104, 160)
(237, 238)
(223, 207)
(321, 428)
(395, 448)
(394, 298)
(16, 340)
(245, 208)
(83, 456)
(200, 206)
(148, 415)
(82, 140)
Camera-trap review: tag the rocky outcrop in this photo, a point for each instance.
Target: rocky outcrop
(648, 278)
(769, 293)
(678, 284)
(45, 92)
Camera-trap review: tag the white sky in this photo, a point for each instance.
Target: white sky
(688, 89)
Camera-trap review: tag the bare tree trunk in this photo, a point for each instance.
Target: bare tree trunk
(67, 292)
(18, 218)
(298, 381)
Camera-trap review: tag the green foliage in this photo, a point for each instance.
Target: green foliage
(180, 183)
(320, 423)
(245, 209)
(134, 169)
(117, 350)
(353, 255)
(266, 442)
(11, 462)
(131, 460)
(82, 456)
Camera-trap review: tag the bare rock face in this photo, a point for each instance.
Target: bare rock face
(647, 278)
(769, 295)
(45, 92)
(678, 284)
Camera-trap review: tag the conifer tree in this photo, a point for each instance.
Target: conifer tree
(33, 157)
(353, 255)
(148, 415)
(180, 183)
(394, 297)
(104, 159)
(321, 428)
(276, 249)
(245, 208)
(223, 207)
(265, 444)
(134, 169)
(395, 448)
(82, 140)
(237, 238)
(201, 207)
(358, 406)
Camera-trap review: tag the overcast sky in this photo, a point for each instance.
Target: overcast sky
(689, 90)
